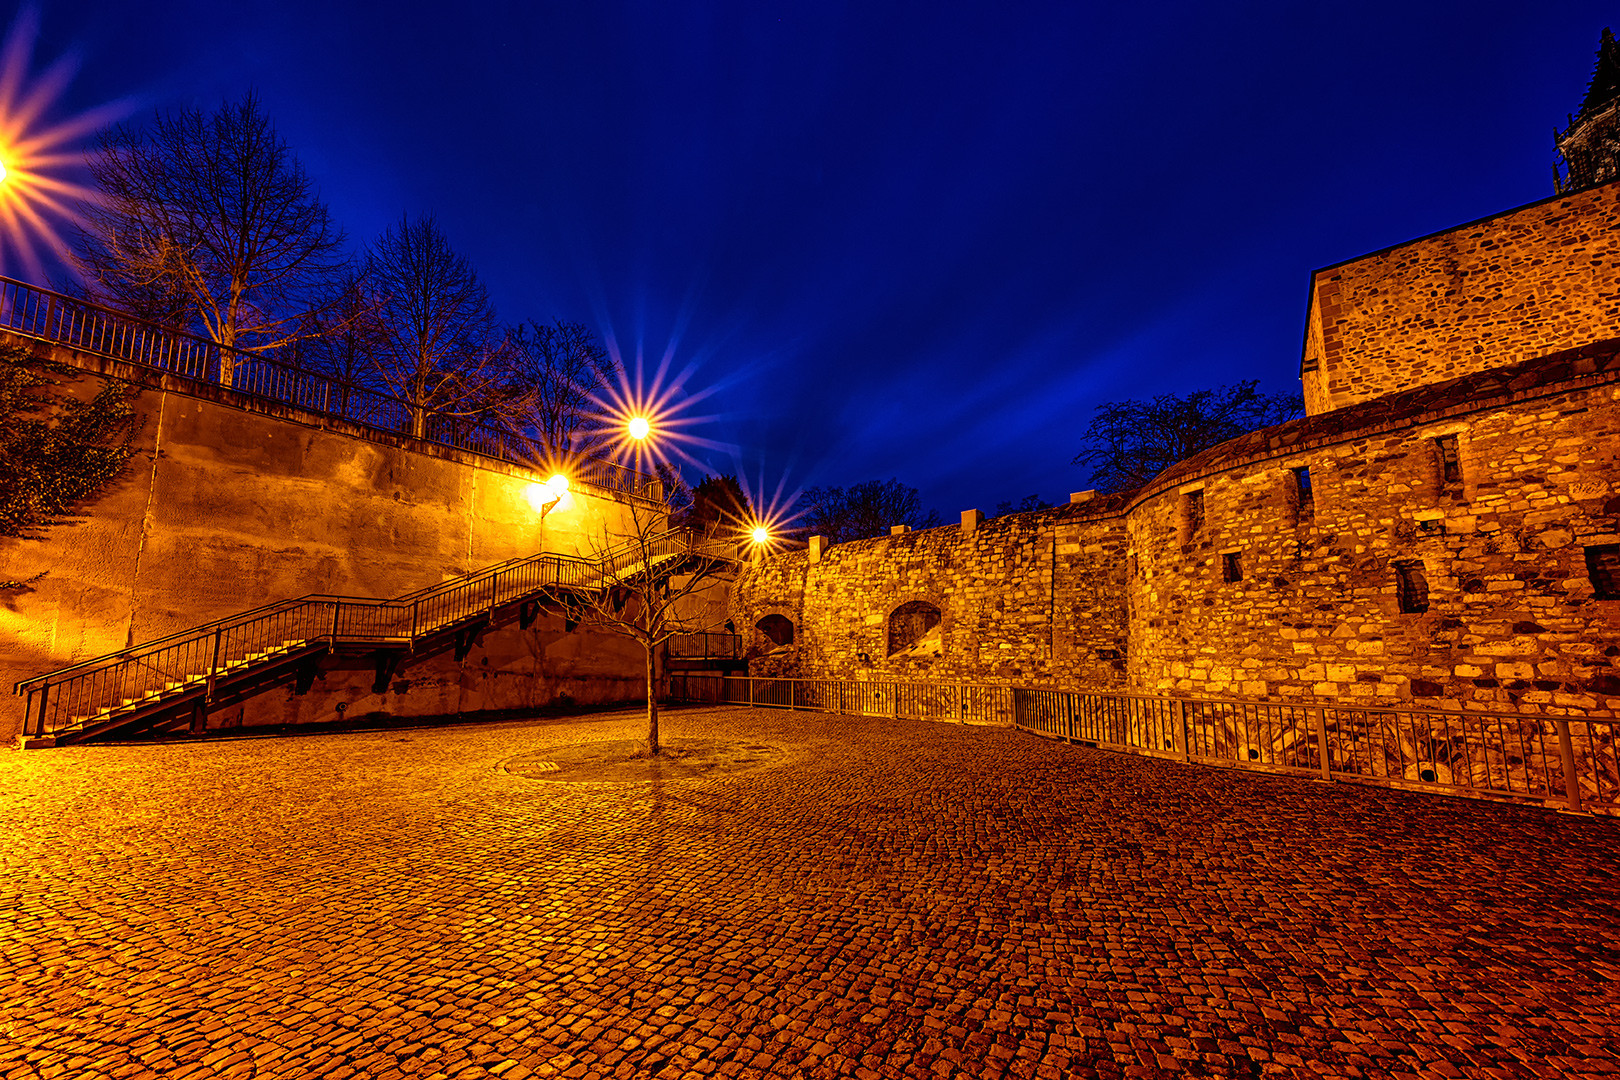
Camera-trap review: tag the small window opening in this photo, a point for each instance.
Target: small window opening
(1432, 525)
(1231, 568)
(1411, 587)
(1603, 567)
(1302, 484)
(1193, 507)
(1445, 447)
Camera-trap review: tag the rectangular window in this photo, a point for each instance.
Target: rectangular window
(1445, 448)
(1193, 508)
(1411, 587)
(1603, 567)
(1302, 481)
(1231, 568)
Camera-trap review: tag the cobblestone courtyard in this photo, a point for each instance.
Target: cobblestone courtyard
(883, 898)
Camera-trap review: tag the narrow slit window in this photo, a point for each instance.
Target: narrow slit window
(1411, 587)
(1603, 567)
(1193, 504)
(1302, 484)
(1231, 567)
(1445, 448)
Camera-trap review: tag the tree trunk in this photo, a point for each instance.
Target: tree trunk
(652, 700)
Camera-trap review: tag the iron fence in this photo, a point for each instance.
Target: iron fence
(706, 646)
(1573, 762)
(66, 320)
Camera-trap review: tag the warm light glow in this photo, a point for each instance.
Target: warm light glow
(639, 427)
(762, 535)
(34, 198)
(550, 495)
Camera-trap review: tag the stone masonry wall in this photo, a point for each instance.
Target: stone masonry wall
(1511, 287)
(1511, 622)
(223, 508)
(1032, 599)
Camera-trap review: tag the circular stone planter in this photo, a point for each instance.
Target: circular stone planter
(625, 761)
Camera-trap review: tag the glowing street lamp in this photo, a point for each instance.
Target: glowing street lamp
(761, 535)
(640, 428)
(545, 497)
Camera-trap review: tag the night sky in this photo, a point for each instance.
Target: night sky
(919, 240)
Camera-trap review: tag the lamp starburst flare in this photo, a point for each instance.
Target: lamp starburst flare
(37, 194)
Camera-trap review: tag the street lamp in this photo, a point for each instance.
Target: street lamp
(640, 428)
(761, 535)
(545, 497)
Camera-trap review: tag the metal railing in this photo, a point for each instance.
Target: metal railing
(198, 658)
(967, 703)
(706, 646)
(1569, 761)
(66, 320)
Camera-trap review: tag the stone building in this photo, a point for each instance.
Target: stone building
(1442, 527)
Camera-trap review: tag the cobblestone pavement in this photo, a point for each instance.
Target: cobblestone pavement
(893, 899)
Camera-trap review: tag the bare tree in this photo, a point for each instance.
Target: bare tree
(436, 345)
(207, 222)
(555, 370)
(864, 510)
(650, 590)
(1131, 442)
(342, 337)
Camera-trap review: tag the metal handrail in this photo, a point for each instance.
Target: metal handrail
(55, 317)
(181, 662)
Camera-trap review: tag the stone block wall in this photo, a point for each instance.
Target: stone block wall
(1509, 288)
(1032, 599)
(1511, 620)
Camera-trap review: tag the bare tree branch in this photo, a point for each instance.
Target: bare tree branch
(436, 345)
(210, 224)
(1131, 442)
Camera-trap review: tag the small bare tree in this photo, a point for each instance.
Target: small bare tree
(436, 345)
(556, 371)
(649, 590)
(210, 223)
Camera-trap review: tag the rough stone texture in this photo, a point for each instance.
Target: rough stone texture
(1511, 620)
(1033, 598)
(223, 508)
(1510, 287)
(898, 899)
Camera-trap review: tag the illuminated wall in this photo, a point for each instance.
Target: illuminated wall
(223, 508)
(1509, 288)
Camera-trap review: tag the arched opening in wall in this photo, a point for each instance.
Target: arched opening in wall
(777, 630)
(915, 631)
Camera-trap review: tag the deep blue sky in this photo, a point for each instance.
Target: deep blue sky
(915, 240)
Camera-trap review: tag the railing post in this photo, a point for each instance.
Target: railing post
(213, 667)
(750, 679)
(1322, 742)
(39, 721)
(1186, 730)
(337, 611)
(1566, 751)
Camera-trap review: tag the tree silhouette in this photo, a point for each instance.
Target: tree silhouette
(436, 344)
(1131, 442)
(207, 223)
